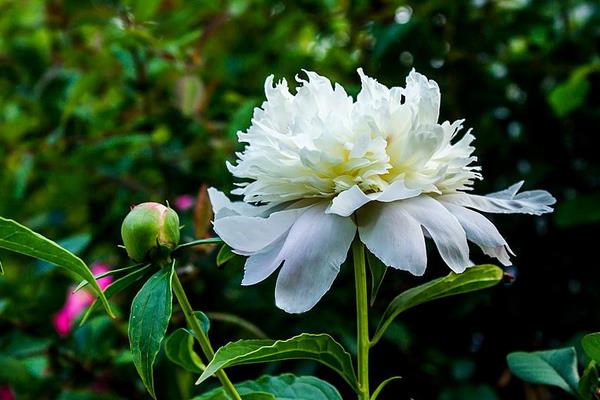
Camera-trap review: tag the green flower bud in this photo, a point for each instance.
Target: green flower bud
(150, 230)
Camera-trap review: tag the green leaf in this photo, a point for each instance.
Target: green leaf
(282, 387)
(570, 94)
(14, 371)
(550, 367)
(20, 239)
(179, 348)
(591, 346)
(203, 320)
(474, 278)
(150, 315)
(225, 254)
(589, 382)
(319, 347)
(378, 270)
(114, 288)
(383, 384)
(83, 284)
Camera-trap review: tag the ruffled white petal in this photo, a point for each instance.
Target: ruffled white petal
(425, 94)
(394, 236)
(482, 232)
(535, 202)
(315, 247)
(252, 234)
(445, 230)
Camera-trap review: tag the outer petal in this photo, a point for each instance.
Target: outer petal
(534, 202)
(261, 265)
(398, 191)
(252, 234)
(393, 236)
(223, 207)
(316, 246)
(481, 231)
(445, 230)
(348, 201)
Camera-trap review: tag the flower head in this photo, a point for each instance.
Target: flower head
(150, 229)
(319, 166)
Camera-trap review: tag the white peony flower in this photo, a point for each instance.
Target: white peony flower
(320, 166)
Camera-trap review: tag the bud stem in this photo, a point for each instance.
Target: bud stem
(201, 336)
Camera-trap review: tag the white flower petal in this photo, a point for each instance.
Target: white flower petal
(393, 236)
(445, 230)
(259, 266)
(348, 201)
(534, 202)
(397, 191)
(252, 234)
(223, 207)
(481, 231)
(316, 246)
(425, 94)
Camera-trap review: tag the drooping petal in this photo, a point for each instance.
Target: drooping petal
(316, 246)
(445, 230)
(223, 207)
(259, 266)
(398, 191)
(508, 201)
(482, 232)
(393, 236)
(348, 201)
(252, 234)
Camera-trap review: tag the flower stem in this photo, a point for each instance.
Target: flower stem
(201, 336)
(362, 318)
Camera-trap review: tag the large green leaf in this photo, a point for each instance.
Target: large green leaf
(591, 346)
(150, 314)
(20, 239)
(319, 347)
(282, 387)
(474, 278)
(550, 367)
(179, 348)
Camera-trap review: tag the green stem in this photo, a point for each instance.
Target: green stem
(201, 336)
(198, 242)
(362, 318)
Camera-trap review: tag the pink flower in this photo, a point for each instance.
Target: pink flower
(77, 302)
(184, 202)
(6, 393)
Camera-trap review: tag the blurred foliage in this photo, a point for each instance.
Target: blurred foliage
(107, 103)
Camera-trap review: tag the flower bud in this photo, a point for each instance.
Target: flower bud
(150, 230)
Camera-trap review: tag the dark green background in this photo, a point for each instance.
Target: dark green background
(106, 104)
